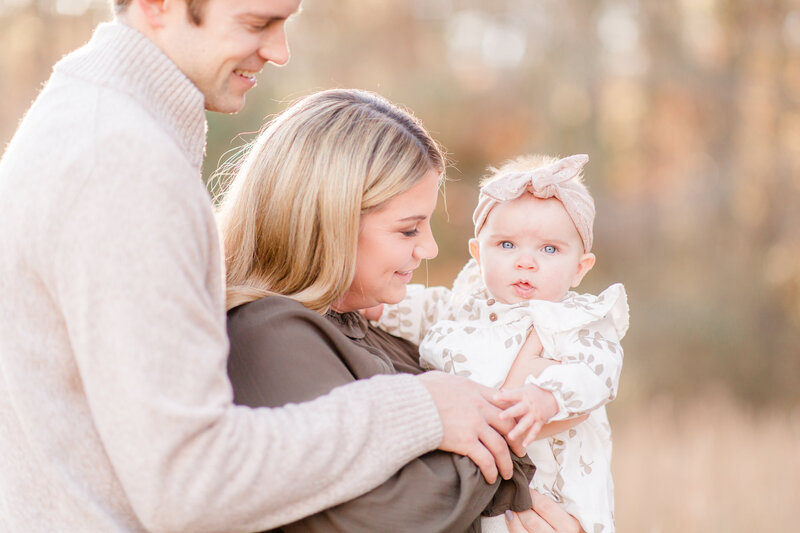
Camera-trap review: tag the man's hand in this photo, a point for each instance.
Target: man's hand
(545, 517)
(531, 406)
(472, 425)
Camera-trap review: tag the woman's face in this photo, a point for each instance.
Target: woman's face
(392, 242)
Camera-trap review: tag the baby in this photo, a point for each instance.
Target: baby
(511, 320)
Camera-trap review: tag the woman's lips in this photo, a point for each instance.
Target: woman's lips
(404, 276)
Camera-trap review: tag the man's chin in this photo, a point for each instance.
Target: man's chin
(229, 107)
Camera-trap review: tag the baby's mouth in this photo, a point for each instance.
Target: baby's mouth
(523, 289)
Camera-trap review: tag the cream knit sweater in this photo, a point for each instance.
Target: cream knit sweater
(115, 407)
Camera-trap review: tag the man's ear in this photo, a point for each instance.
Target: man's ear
(152, 11)
(475, 251)
(585, 264)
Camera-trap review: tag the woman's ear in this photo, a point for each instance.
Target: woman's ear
(475, 251)
(585, 264)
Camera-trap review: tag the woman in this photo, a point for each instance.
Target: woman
(328, 214)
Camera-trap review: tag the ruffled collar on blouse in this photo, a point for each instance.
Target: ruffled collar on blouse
(352, 324)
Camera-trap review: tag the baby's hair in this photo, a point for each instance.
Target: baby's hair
(529, 163)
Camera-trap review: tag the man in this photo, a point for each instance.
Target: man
(115, 407)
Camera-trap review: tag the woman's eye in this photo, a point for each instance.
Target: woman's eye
(411, 233)
(507, 245)
(549, 249)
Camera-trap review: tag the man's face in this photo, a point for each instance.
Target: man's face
(223, 55)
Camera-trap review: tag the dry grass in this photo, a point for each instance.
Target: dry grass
(708, 467)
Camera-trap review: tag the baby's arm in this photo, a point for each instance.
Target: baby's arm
(420, 309)
(588, 377)
(529, 361)
(532, 405)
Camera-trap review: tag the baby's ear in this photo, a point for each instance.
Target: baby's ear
(475, 251)
(585, 264)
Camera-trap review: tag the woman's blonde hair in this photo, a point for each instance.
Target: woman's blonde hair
(290, 217)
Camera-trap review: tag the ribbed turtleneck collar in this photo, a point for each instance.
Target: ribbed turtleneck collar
(120, 57)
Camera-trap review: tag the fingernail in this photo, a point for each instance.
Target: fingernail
(509, 516)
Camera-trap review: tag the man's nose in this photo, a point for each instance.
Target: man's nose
(275, 46)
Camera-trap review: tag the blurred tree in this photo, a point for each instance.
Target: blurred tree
(689, 109)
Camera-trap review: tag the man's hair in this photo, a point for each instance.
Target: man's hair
(290, 218)
(193, 7)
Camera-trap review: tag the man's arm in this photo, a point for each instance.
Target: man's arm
(134, 274)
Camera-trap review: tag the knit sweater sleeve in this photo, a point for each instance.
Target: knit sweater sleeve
(137, 276)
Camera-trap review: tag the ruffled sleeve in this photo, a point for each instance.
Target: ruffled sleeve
(583, 332)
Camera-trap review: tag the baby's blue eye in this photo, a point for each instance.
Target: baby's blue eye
(549, 249)
(507, 245)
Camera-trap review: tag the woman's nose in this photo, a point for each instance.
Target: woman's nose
(426, 248)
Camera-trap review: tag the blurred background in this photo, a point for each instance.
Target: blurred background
(690, 113)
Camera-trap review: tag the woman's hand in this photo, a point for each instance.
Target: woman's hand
(545, 517)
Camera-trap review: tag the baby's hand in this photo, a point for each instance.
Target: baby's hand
(532, 406)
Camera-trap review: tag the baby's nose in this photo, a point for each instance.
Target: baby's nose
(526, 262)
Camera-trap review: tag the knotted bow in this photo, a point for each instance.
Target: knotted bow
(552, 181)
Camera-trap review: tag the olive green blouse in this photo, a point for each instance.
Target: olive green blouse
(282, 352)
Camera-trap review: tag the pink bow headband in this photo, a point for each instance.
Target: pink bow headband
(554, 180)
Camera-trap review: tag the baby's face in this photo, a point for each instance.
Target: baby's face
(529, 249)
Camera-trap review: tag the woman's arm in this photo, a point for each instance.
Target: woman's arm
(438, 491)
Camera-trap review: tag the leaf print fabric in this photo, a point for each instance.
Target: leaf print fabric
(464, 331)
